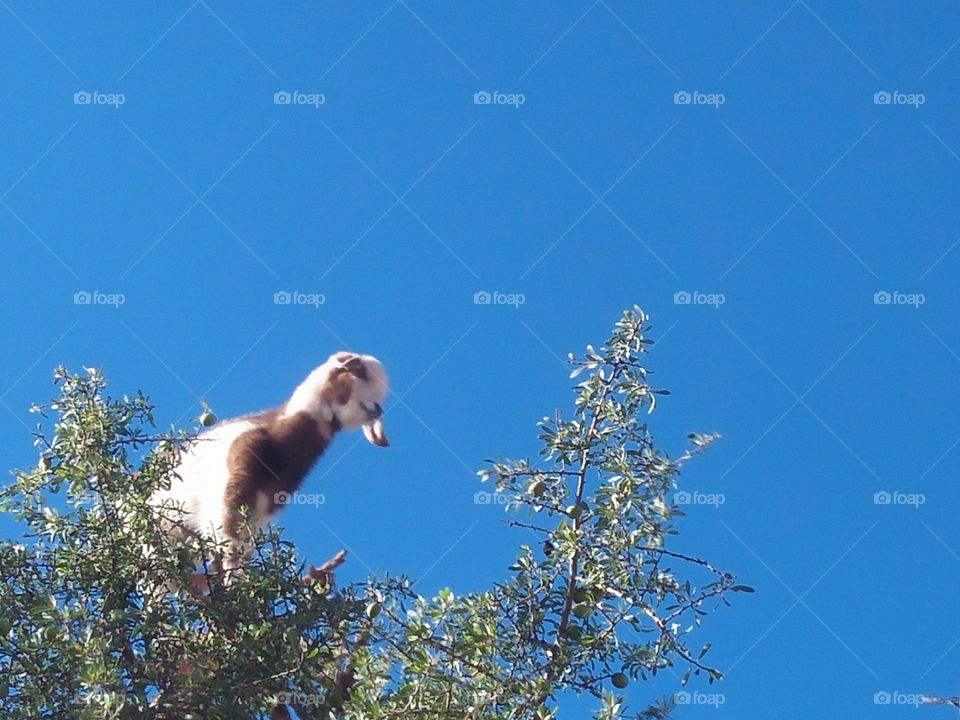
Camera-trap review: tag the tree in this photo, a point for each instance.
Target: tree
(90, 629)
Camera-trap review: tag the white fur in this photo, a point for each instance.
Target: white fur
(306, 398)
(200, 479)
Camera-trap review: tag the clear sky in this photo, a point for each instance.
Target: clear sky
(785, 187)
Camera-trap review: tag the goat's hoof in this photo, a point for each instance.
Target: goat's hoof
(320, 578)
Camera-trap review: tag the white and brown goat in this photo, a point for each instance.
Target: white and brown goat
(257, 461)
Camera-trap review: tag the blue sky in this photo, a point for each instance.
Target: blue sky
(736, 152)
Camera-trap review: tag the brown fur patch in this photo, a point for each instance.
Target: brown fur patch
(339, 386)
(272, 458)
(354, 365)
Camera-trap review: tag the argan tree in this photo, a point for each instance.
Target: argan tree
(99, 619)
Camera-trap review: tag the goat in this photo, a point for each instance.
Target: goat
(257, 461)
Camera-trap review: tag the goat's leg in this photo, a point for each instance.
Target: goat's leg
(235, 557)
(324, 573)
(239, 547)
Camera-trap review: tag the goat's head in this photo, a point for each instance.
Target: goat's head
(355, 388)
(347, 390)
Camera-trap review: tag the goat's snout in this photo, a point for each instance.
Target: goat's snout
(373, 410)
(373, 431)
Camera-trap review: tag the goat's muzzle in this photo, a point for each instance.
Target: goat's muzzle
(373, 431)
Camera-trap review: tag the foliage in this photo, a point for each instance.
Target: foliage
(90, 629)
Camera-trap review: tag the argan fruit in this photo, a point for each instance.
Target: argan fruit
(581, 611)
(573, 632)
(620, 681)
(575, 511)
(373, 609)
(537, 487)
(207, 418)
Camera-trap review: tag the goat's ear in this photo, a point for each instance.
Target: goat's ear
(355, 366)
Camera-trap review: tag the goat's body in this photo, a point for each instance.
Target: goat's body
(257, 461)
(199, 483)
